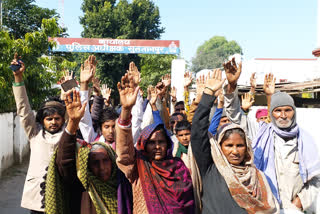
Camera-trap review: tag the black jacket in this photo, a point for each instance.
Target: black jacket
(216, 196)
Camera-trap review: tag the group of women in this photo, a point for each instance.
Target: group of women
(146, 178)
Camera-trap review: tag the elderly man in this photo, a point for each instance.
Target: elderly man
(282, 150)
(287, 155)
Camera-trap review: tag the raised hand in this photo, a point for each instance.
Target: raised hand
(247, 101)
(73, 106)
(18, 73)
(96, 85)
(187, 79)
(166, 79)
(232, 71)
(253, 80)
(134, 72)
(269, 84)
(173, 94)
(161, 89)
(128, 93)
(106, 92)
(88, 69)
(221, 99)
(200, 87)
(74, 109)
(213, 82)
(154, 95)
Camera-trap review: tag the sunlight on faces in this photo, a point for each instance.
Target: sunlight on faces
(100, 164)
(184, 137)
(234, 149)
(283, 116)
(156, 147)
(108, 130)
(53, 123)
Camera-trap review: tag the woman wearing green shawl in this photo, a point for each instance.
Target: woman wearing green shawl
(85, 182)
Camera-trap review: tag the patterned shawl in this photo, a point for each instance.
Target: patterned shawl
(102, 194)
(247, 185)
(166, 183)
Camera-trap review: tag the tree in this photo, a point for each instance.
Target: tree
(23, 16)
(139, 19)
(153, 68)
(213, 53)
(41, 71)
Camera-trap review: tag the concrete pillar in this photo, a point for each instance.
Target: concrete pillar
(316, 52)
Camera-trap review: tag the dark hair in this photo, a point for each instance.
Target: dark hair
(108, 114)
(47, 111)
(232, 131)
(182, 125)
(176, 114)
(179, 103)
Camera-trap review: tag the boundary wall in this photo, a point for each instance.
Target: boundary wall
(13, 141)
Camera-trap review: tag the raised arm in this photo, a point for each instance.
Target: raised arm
(199, 132)
(217, 115)
(87, 72)
(153, 100)
(126, 157)
(231, 100)
(194, 105)
(269, 89)
(24, 110)
(66, 160)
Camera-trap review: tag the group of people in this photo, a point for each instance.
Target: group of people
(88, 156)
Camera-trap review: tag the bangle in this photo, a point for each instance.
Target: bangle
(210, 89)
(125, 122)
(174, 100)
(18, 84)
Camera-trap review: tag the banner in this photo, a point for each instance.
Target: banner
(124, 46)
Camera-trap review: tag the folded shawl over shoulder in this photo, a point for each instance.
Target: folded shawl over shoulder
(247, 185)
(166, 184)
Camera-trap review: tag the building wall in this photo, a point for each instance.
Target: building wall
(14, 144)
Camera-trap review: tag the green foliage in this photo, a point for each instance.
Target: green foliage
(41, 71)
(213, 53)
(153, 68)
(139, 19)
(23, 16)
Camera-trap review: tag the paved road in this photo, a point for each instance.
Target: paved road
(11, 186)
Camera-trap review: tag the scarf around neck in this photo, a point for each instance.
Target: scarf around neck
(166, 184)
(181, 149)
(263, 146)
(246, 183)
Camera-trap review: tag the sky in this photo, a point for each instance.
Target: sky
(263, 28)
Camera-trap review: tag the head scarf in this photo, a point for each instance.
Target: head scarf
(102, 194)
(166, 184)
(246, 183)
(261, 113)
